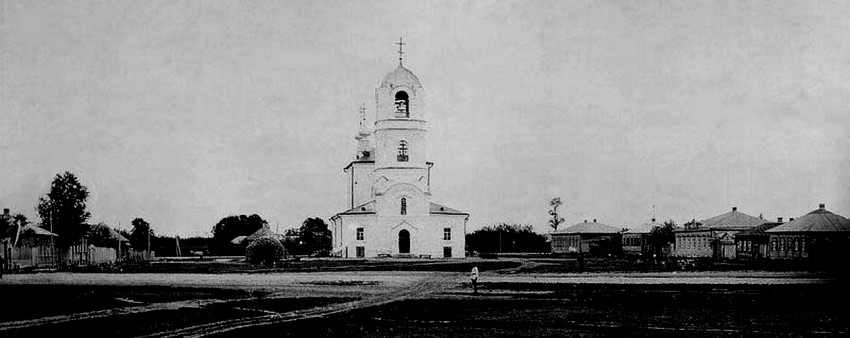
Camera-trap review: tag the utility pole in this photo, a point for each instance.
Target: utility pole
(52, 243)
(149, 241)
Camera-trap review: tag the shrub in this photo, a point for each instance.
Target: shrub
(264, 250)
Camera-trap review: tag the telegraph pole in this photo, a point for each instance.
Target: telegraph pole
(52, 243)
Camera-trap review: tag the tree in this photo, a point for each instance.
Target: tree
(556, 220)
(661, 236)
(141, 234)
(7, 226)
(64, 207)
(505, 237)
(230, 227)
(314, 237)
(100, 235)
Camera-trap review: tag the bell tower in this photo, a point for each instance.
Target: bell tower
(400, 129)
(391, 210)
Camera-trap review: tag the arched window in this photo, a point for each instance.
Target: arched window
(402, 151)
(403, 206)
(402, 105)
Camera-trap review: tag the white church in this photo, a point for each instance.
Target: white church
(391, 212)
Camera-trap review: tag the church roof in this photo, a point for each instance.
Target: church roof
(442, 209)
(401, 77)
(819, 220)
(732, 219)
(365, 208)
(588, 228)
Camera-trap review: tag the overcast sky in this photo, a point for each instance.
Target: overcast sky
(183, 112)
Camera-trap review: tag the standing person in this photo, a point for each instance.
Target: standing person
(474, 276)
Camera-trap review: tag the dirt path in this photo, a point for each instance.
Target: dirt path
(430, 284)
(373, 288)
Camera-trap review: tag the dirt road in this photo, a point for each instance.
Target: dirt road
(350, 290)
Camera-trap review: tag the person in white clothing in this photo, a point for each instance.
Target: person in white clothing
(474, 277)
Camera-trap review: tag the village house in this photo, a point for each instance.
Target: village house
(636, 240)
(753, 243)
(592, 238)
(714, 237)
(819, 234)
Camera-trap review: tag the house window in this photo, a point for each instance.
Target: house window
(404, 206)
(402, 104)
(402, 151)
(361, 252)
(447, 234)
(360, 234)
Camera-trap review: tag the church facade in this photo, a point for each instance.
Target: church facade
(389, 182)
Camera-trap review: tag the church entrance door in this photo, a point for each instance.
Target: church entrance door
(403, 241)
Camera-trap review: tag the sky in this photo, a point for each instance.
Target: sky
(184, 112)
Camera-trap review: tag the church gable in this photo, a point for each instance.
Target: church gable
(444, 210)
(404, 225)
(366, 208)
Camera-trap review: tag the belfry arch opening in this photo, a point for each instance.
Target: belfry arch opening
(402, 104)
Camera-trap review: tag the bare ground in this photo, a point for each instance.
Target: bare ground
(512, 302)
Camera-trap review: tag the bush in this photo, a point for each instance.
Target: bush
(264, 250)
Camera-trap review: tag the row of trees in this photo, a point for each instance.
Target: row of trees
(504, 237)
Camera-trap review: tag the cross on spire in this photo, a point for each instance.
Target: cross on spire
(362, 112)
(400, 44)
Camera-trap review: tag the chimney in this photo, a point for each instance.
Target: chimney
(653, 220)
(585, 221)
(822, 206)
(594, 220)
(6, 211)
(779, 220)
(734, 208)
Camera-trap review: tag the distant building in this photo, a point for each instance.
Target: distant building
(636, 240)
(819, 234)
(753, 243)
(714, 237)
(587, 237)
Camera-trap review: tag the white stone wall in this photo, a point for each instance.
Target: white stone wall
(363, 181)
(381, 234)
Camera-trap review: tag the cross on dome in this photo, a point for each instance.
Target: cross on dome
(400, 44)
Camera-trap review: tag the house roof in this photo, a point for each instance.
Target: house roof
(442, 209)
(643, 228)
(264, 232)
(114, 234)
(588, 228)
(759, 230)
(819, 220)
(732, 219)
(35, 230)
